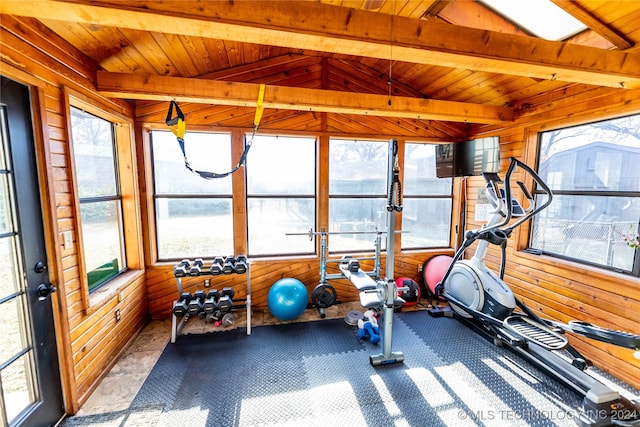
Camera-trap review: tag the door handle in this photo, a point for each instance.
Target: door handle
(44, 290)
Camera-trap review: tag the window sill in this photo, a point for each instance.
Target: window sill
(112, 289)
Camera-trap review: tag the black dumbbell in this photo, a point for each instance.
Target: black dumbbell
(196, 305)
(216, 266)
(354, 265)
(196, 267)
(229, 265)
(241, 264)
(228, 291)
(225, 303)
(182, 269)
(214, 293)
(181, 306)
(211, 302)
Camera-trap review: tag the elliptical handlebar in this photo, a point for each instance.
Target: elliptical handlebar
(507, 200)
(472, 236)
(538, 181)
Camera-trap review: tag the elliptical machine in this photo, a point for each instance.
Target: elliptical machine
(481, 299)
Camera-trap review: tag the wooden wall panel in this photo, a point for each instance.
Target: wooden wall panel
(558, 289)
(35, 56)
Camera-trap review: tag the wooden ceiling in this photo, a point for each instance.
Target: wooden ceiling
(439, 61)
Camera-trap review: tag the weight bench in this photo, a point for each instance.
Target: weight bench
(371, 295)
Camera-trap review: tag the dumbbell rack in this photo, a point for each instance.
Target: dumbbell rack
(177, 323)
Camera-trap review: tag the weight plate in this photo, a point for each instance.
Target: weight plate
(323, 296)
(352, 317)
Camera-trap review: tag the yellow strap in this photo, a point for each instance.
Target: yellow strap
(179, 129)
(259, 107)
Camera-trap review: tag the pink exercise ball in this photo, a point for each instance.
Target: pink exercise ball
(433, 270)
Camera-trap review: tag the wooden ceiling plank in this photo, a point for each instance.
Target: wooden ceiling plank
(315, 26)
(370, 78)
(48, 41)
(144, 43)
(138, 86)
(581, 14)
(435, 8)
(175, 51)
(248, 72)
(199, 53)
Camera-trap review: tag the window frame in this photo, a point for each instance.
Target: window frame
(284, 196)
(370, 197)
(126, 176)
(635, 266)
(406, 196)
(153, 198)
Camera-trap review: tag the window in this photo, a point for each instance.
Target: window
(100, 200)
(426, 213)
(540, 17)
(357, 192)
(193, 214)
(281, 182)
(594, 175)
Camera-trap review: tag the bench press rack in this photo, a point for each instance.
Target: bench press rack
(373, 293)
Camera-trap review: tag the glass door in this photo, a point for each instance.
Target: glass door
(30, 387)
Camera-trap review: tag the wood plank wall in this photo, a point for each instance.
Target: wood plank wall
(555, 288)
(90, 339)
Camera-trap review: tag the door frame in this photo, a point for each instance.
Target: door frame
(52, 237)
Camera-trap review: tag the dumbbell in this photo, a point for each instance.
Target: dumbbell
(241, 264)
(196, 267)
(225, 302)
(228, 291)
(195, 306)
(181, 306)
(354, 265)
(216, 267)
(182, 269)
(211, 302)
(229, 265)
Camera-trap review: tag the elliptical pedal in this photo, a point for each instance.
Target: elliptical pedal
(535, 332)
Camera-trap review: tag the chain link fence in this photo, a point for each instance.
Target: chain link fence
(595, 242)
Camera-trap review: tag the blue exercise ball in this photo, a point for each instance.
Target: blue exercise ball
(287, 298)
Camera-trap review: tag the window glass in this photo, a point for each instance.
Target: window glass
(426, 213)
(94, 151)
(280, 194)
(357, 192)
(194, 228)
(593, 172)
(281, 165)
(209, 152)
(193, 214)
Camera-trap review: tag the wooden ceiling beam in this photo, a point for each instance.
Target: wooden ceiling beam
(327, 28)
(163, 88)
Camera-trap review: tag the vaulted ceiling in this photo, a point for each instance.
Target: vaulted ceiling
(435, 65)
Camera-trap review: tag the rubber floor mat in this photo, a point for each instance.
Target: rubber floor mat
(318, 374)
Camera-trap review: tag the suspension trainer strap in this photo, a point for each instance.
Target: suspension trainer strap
(178, 126)
(395, 184)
